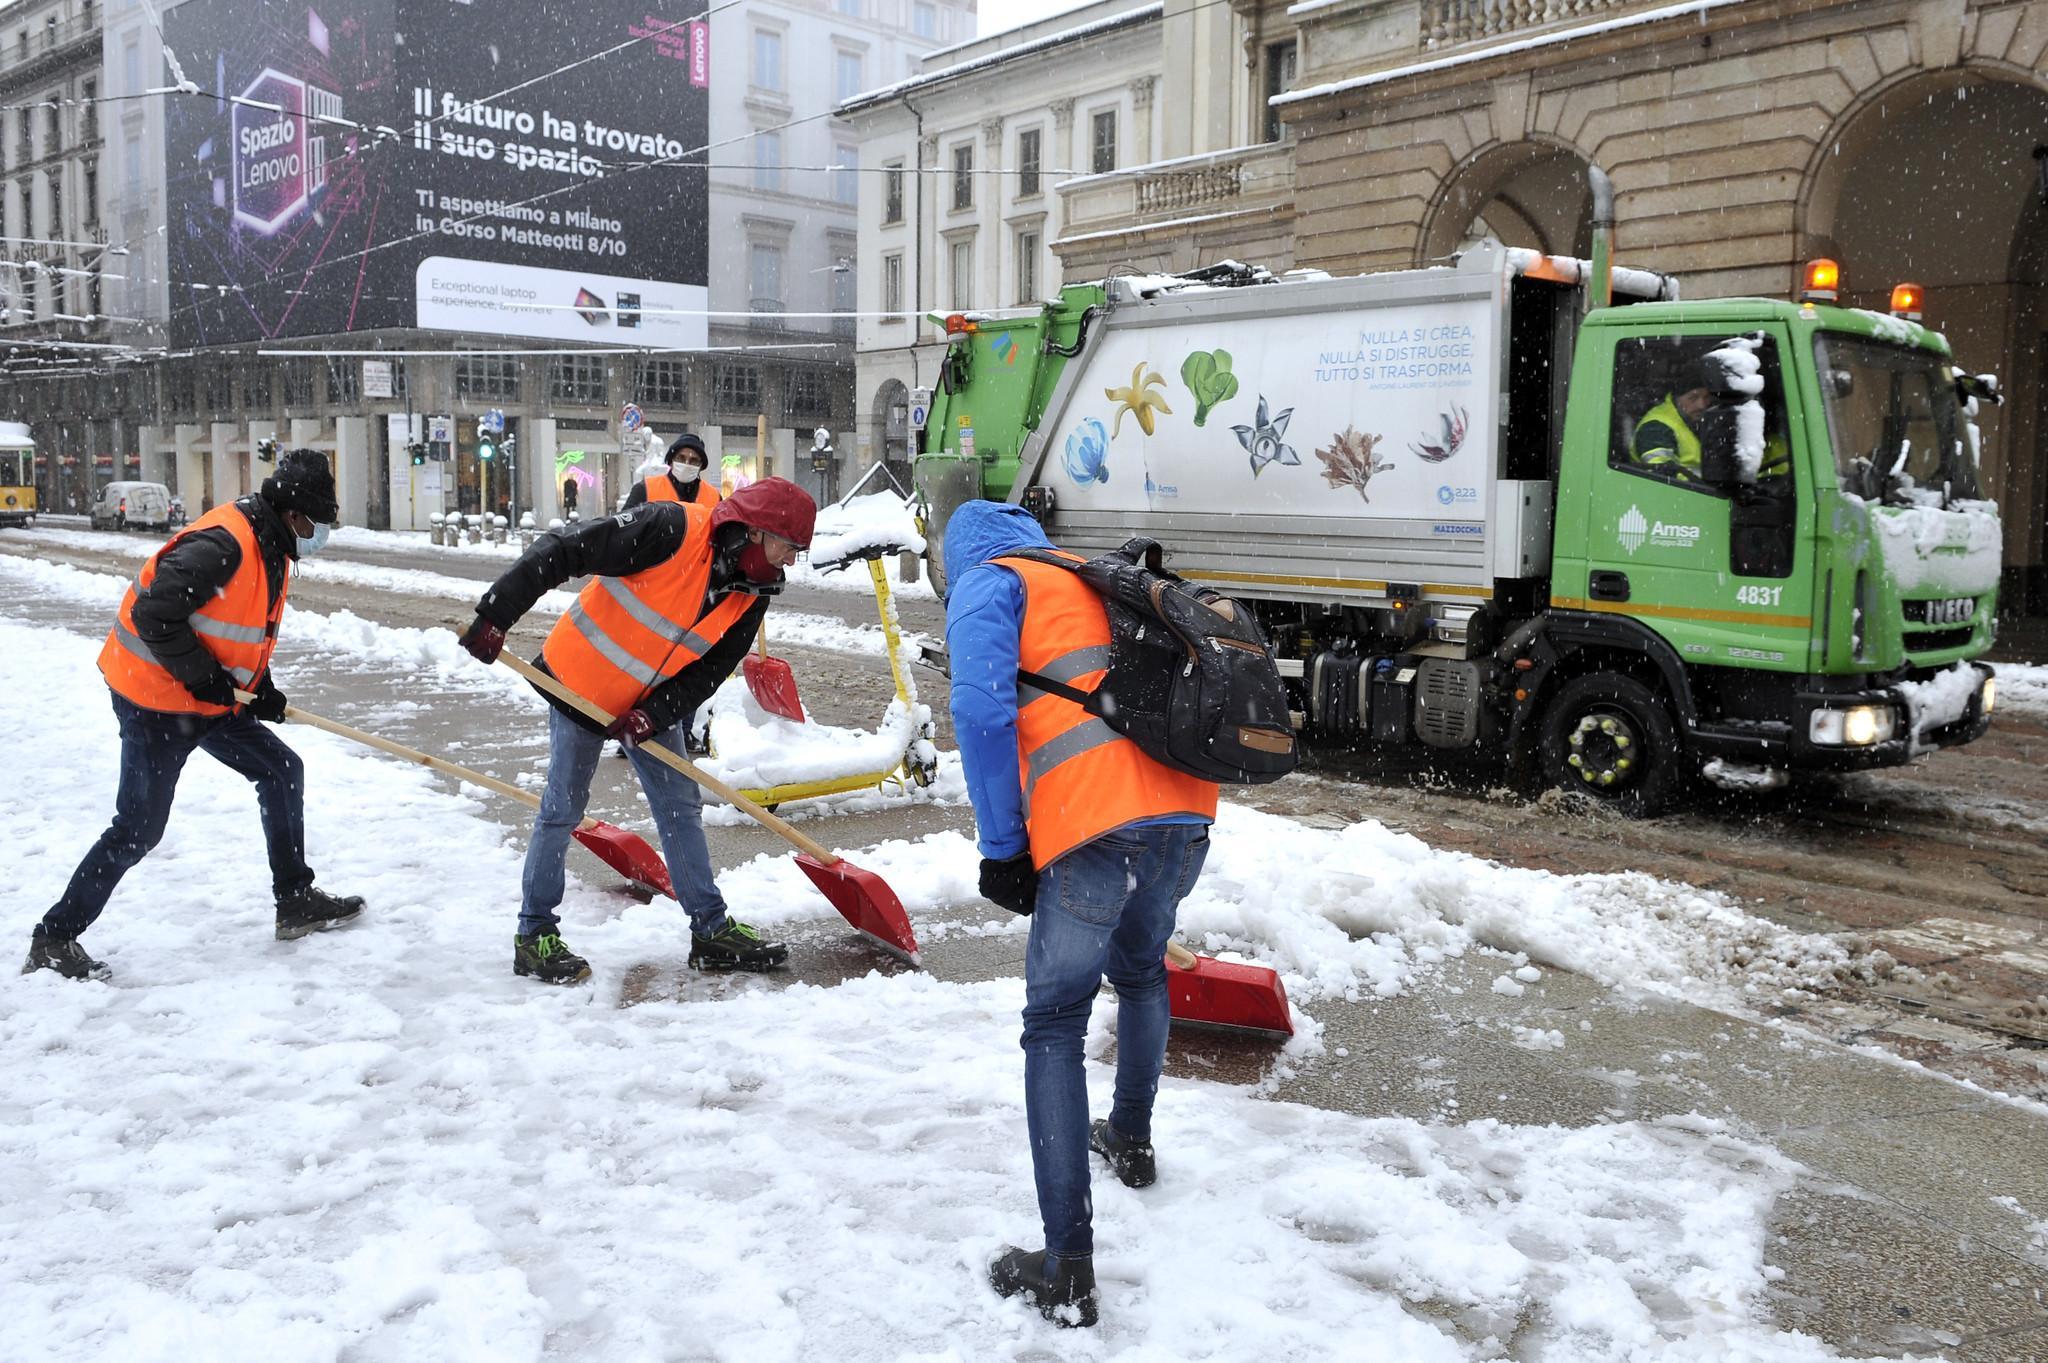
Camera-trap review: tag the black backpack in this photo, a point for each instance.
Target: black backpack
(1191, 678)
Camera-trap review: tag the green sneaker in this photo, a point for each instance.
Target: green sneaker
(548, 959)
(736, 947)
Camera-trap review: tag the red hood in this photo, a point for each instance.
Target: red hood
(773, 504)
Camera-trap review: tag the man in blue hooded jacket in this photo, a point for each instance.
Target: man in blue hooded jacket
(1097, 842)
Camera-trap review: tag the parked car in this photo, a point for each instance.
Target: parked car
(124, 506)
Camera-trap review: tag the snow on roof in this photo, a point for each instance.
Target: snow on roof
(1550, 38)
(14, 435)
(1128, 19)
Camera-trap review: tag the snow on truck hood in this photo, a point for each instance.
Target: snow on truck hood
(1928, 548)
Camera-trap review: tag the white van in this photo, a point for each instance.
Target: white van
(127, 506)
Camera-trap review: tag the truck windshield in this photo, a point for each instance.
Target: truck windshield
(1895, 422)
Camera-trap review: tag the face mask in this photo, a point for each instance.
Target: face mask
(754, 563)
(315, 544)
(685, 471)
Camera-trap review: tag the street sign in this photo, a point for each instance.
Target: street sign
(493, 421)
(376, 378)
(629, 417)
(441, 430)
(920, 408)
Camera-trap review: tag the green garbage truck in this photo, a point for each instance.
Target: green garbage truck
(1524, 507)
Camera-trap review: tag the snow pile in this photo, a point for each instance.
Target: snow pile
(855, 578)
(1621, 278)
(880, 520)
(2022, 689)
(1927, 549)
(1939, 701)
(753, 749)
(378, 1143)
(1367, 910)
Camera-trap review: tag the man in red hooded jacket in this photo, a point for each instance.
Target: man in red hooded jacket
(676, 594)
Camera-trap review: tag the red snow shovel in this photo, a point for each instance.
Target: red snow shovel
(1211, 993)
(624, 851)
(771, 681)
(862, 897)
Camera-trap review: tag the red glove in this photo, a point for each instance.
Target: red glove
(484, 640)
(632, 728)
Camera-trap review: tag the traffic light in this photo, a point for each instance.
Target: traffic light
(418, 452)
(486, 447)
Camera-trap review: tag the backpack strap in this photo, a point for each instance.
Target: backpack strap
(1038, 680)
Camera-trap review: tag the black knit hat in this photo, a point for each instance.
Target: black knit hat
(688, 441)
(303, 483)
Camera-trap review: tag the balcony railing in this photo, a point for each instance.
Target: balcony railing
(50, 39)
(1251, 179)
(1447, 23)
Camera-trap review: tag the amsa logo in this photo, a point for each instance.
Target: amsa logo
(1635, 530)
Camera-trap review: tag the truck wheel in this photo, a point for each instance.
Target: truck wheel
(1609, 738)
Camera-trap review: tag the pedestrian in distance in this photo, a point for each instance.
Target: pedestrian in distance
(681, 479)
(1095, 840)
(676, 593)
(199, 622)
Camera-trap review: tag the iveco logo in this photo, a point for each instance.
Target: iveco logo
(1955, 611)
(1635, 527)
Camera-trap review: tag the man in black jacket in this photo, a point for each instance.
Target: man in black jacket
(174, 671)
(685, 479)
(737, 550)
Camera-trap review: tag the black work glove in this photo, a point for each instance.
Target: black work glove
(1012, 883)
(484, 640)
(633, 728)
(219, 689)
(269, 703)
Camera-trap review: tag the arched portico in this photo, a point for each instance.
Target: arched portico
(1531, 193)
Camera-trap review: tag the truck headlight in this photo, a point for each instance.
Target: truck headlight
(1859, 726)
(1989, 699)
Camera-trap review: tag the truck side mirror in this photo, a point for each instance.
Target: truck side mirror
(1717, 430)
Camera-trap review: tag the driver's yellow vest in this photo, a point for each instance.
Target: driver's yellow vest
(1687, 456)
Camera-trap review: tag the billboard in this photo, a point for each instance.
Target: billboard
(494, 166)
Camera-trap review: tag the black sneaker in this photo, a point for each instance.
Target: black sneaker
(548, 959)
(1131, 1160)
(1065, 1297)
(65, 956)
(314, 910)
(736, 947)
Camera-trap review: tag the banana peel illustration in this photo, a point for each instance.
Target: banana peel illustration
(1138, 399)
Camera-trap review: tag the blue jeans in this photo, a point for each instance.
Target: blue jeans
(678, 807)
(1105, 908)
(154, 746)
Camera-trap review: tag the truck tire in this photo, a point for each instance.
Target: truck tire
(1610, 739)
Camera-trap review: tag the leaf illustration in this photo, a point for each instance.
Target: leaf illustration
(1207, 375)
(1263, 442)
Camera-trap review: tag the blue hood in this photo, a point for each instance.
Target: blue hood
(980, 531)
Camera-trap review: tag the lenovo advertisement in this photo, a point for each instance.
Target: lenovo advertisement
(495, 166)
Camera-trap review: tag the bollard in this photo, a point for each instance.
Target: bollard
(495, 525)
(555, 526)
(435, 526)
(473, 528)
(526, 530)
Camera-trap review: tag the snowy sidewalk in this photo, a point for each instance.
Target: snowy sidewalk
(378, 1144)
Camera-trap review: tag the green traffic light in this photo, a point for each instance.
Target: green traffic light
(485, 449)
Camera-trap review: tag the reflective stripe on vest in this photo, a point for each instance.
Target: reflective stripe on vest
(1081, 778)
(624, 636)
(238, 625)
(1667, 415)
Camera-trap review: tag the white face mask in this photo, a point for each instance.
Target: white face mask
(309, 547)
(685, 471)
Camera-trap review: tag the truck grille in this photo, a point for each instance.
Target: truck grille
(1935, 640)
(1954, 610)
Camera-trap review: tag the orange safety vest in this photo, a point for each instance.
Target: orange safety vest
(660, 489)
(1082, 779)
(238, 626)
(624, 636)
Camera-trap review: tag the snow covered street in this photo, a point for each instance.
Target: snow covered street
(1529, 1114)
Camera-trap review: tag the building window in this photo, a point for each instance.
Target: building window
(56, 217)
(846, 179)
(1029, 143)
(961, 255)
(576, 378)
(764, 276)
(736, 388)
(892, 286)
(849, 8)
(844, 294)
(90, 205)
(220, 397)
(1280, 65)
(892, 192)
(1102, 142)
(489, 378)
(89, 114)
(53, 128)
(848, 75)
(768, 162)
(662, 383)
(767, 60)
(131, 67)
(131, 163)
(178, 395)
(963, 176)
(298, 383)
(344, 383)
(256, 389)
(924, 19)
(806, 397)
(1027, 266)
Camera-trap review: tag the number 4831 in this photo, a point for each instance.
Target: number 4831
(1759, 596)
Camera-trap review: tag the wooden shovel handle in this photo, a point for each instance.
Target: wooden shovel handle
(681, 764)
(440, 764)
(761, 639)
(1179, 957)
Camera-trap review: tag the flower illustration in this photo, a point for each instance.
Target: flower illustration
(1350, 461)
(1087, 454)
(1138, 399)
(1207, 375)
(1262, 440)
(1448, 441)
